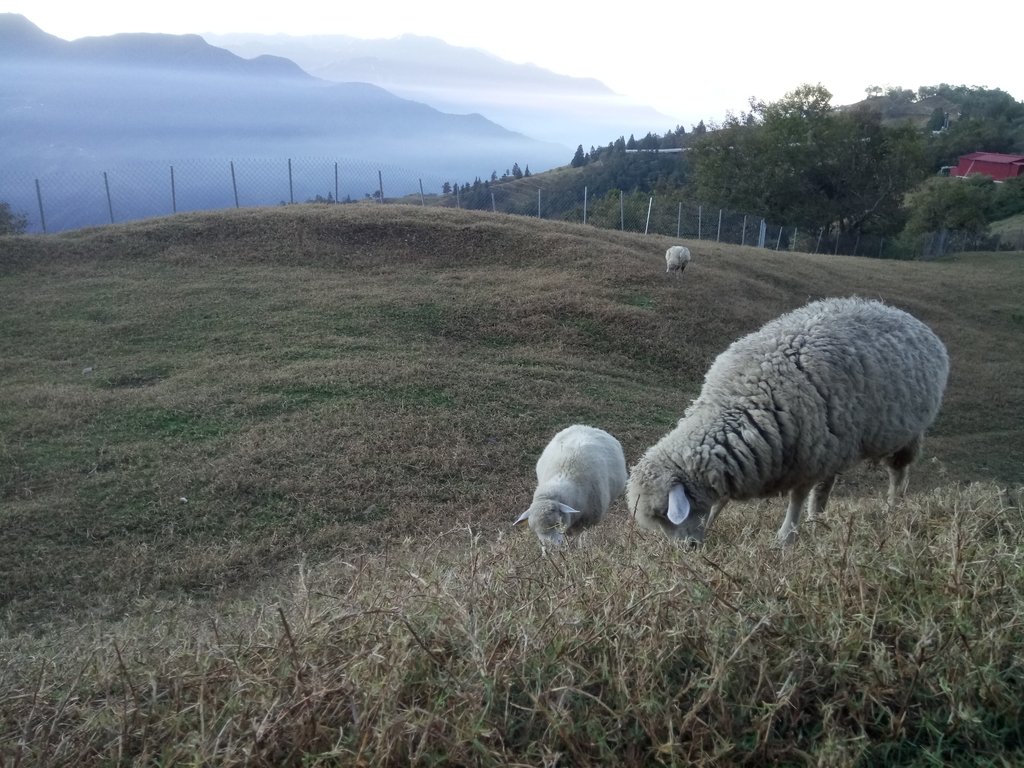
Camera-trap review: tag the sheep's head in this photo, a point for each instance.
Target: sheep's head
(550, 520)
(668, 503)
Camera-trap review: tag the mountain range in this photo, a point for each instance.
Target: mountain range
(71, 110)
(522, 97)
(173, 96)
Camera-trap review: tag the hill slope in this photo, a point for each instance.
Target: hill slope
(258, 467)
(310, 378)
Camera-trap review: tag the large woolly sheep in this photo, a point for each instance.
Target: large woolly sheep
(676, 259)
(790, 406)
(579, 474)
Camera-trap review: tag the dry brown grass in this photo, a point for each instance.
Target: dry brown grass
(364, 390)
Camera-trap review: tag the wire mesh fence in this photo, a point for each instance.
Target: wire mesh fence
(60, 199)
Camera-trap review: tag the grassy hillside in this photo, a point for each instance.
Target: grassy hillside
(1010, 231)
(257, 470)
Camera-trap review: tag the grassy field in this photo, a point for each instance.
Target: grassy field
(1010, 231)
(257, 471)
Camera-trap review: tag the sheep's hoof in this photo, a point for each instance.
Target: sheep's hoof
(787, 538)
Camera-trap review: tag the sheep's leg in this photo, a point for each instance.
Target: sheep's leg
(899, 469)
(790, 526)
(717, 507)
(819, 498)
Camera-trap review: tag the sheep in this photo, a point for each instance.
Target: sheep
(787, 408)
(579, 474)
(676, 259)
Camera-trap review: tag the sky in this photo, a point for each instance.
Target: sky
(690, 61)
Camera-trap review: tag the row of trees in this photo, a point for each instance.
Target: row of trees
(448, 188)
(803, 162)
(800, 161)
(866, 169)
(862, 169)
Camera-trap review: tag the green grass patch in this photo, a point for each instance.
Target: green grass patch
(639, 300)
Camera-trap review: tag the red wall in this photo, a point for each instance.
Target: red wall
(998, 171)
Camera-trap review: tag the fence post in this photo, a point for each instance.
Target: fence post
(679, 221)
(881, 242)
(110, 205)
(761, 234)
(700, 216)
(647, 225)
(336, 183)
(622, 213)
(743, 237)
(380, 185)
(584, 205)
(39, 197)
(837, 244)
(718, 238)
(817, 245)
(174, 197)
(291, 189)
(778, 240)
(234, 184)
(796, 231)
(494, 207)
(423, 201)
(538, 203)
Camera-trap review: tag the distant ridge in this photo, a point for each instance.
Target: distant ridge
(20, 38)
(523, 97)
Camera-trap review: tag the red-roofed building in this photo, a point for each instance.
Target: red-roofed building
(999, 167)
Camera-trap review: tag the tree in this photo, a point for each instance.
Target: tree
(1008, 199)
(946, 203)
(937, 121)
(579, 159)
(12, 223)
(896, 93)
(516, 171)
(799, 162)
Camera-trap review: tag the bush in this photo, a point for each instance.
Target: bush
(12, 223)
(1009, 199)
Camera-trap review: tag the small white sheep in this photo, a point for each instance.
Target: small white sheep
(788, 408)
(676, 259)
(579, 474)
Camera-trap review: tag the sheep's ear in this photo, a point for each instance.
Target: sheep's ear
(522, 518)
(568, 511)
(678, 504)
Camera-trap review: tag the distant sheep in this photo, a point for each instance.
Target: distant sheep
(579, 474)
(788, 408)
(676, 259)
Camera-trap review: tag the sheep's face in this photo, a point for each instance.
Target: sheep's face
(550, 521)
(666, 504)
